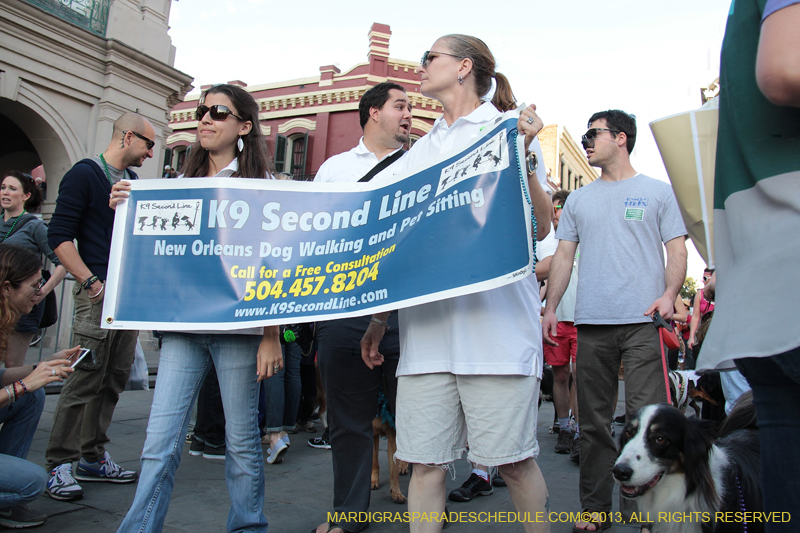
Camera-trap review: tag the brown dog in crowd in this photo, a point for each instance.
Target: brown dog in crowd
(396, 468)
(380, 428)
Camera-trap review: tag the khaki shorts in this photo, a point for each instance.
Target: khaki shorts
(438, 413)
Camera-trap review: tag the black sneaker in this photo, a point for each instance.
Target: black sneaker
(575, 453)
(319, 443)
(475, 485)
(19, 517)
(214, 452)
(498, 481)
(564, 444)
(197, 446)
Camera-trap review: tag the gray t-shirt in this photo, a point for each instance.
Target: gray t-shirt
(113, 172)
(620, 227)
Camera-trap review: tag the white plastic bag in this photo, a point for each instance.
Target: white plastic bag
(140, 377)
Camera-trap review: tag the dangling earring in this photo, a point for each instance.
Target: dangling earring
(240, 144)
(460, 79)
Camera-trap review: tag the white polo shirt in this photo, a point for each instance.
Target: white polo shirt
(491, 332)
(352, 165)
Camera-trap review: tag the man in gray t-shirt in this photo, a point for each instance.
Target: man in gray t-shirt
(622, 222)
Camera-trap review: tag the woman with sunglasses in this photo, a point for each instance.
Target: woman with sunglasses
(229, 143)
(19, 197)
(21, 392)
(456, 369)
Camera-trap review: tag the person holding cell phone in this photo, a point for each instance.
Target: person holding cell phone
(21, 391)
(19, 197)
(230, 144)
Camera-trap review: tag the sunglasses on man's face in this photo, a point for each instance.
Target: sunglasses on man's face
(218, 112)
(587, 139)
(149, 143)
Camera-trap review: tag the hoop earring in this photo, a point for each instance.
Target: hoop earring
(460, 79)
(240, 144)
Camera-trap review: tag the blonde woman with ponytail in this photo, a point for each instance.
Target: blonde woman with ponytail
(472, 361)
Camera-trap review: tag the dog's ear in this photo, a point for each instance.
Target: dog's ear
(697, 442)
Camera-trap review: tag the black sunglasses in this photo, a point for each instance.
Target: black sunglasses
(587, 139)
(218, 112)
(147, 141)
(430, 55)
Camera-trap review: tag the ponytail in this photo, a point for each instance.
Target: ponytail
(503, 98)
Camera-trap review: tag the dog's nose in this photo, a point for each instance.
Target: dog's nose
(623, 472)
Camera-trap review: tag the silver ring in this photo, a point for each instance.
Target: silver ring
(53, 370)
(530, 120)
(276, 368)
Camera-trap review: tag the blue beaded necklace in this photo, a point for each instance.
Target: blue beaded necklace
(513, 141)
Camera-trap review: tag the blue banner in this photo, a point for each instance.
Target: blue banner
(231, 253)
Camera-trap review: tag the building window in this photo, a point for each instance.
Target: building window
(179, 154)
(411, 140)
(299, 144)
(280, 153)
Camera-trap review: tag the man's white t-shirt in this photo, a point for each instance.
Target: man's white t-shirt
(565, 312)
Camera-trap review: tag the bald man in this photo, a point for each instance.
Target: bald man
(89, 396)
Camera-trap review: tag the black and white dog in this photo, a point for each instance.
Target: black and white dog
(682, 478)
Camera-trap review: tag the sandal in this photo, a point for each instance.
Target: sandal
(595, 520)
(331, 527)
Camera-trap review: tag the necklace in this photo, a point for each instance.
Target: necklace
(14, 225)
(105, 169)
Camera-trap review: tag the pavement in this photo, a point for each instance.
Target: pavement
(299, 491)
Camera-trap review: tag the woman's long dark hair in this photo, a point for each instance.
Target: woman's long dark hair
(483, 68)
(16, 265)
(254, 161)
(28, 187)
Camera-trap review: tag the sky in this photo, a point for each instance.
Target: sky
(570, 58)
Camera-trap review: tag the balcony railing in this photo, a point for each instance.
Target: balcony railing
(91, 15)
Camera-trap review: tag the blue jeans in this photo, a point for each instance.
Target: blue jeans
(776, 395)
(20, 480)
(185, 359)
(283, 391)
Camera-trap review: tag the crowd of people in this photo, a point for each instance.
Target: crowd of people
(611, 258)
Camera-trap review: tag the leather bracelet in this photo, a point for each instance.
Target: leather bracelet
(381, 322)
(88, 282)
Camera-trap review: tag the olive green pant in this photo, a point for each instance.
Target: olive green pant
(600, 351)
(90, 394)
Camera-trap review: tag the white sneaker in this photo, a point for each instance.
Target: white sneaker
(276, 455)
(62, 486)
(104, 470)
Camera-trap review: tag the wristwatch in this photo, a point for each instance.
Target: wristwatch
(531, 162)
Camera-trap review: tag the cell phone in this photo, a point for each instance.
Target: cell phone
(83, 353)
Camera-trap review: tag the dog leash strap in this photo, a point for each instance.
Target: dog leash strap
(664, 364)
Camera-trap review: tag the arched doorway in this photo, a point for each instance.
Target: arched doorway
(27, 141)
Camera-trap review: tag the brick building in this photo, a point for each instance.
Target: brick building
(310, 119)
